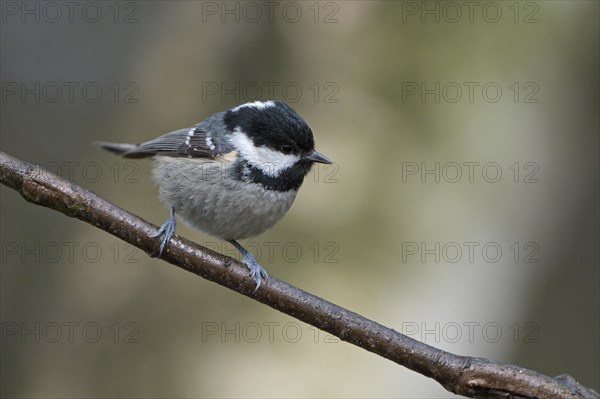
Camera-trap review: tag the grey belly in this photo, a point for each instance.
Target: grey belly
(206, 199)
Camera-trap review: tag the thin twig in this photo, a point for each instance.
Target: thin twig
(468, 376)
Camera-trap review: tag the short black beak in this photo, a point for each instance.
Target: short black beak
(318, 157)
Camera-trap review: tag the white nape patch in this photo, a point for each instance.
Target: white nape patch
(255, 104)
(190, 135)
(209, 143)
(270, 162)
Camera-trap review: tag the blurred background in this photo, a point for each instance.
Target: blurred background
(462, 208)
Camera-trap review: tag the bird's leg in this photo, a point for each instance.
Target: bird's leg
(168, 229)
(256, 270)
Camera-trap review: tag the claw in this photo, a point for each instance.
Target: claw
(168, 229)
(256, 270)
(257, 273)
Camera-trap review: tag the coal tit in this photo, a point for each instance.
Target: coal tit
(233, 175)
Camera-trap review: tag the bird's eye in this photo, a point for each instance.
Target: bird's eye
(287, 149)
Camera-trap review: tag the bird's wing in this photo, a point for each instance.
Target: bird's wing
(192, 143)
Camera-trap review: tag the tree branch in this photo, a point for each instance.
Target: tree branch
(468, 376)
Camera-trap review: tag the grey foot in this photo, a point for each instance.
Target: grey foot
(256, 270)
(257, 273)
(168, 229)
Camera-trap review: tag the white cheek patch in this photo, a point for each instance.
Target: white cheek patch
(270, 162)
(255, 104)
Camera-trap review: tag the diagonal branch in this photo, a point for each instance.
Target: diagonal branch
(472, 377)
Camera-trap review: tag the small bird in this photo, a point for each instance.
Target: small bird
(233, 175)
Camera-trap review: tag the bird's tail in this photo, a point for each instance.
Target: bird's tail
(126, 150)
